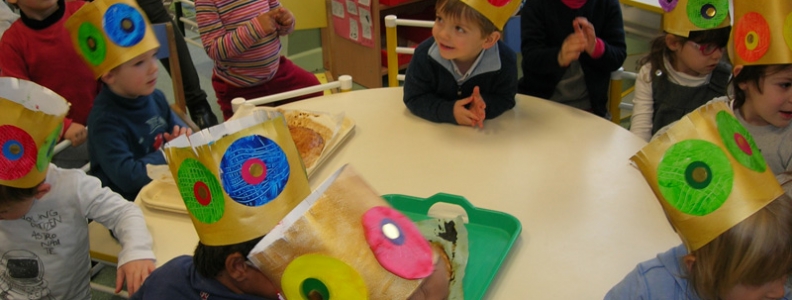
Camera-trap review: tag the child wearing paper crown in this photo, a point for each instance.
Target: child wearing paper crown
(43, 208)
(569, 48)
(724, 202)
(233, 204)
(683, 69)
(130, 119)
(463, 74)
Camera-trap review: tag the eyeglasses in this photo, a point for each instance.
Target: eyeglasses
(706, 49)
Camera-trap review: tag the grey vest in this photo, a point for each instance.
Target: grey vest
(673, 101)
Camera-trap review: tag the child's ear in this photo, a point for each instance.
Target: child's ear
(688, 260)
(42, 190)
(235, 266)
(672, 42)
(108, 77)
(491, 39)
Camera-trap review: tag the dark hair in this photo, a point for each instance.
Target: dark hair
(13, 194)
(658, 48)
(210, 260)
(458, 10)
(754, 74)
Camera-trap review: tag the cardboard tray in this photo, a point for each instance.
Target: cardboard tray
(491, 235)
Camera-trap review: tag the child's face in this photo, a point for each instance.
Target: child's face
(459, 40)
(770, 290)
(36, 9)
(771, 106)
(15, 210)
(695, 59)
(136, 77)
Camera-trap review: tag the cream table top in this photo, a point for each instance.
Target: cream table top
(588, 216)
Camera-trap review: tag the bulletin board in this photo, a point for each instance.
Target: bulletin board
(308, 14)
(352, 20)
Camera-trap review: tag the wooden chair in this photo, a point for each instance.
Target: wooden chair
(164, 33)
(344, 83)
(392, 48)
(616, 94)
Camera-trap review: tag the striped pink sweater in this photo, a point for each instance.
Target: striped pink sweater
(244, 55)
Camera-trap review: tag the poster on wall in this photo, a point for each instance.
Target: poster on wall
(352, 20)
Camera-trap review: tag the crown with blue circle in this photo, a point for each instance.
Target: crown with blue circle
(31, 121)
(680, 17)
(108, 33)
(707, 173)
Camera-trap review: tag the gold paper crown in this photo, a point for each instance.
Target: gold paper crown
(31, 119)
(238, 179)
(108, 33)
(497, 11)
(344, 240)
(707, 173)
(762, 32)
(683, 16)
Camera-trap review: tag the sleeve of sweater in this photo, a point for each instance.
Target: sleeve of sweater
(643, 104)
(116, 213)
(536, 53)
(610, 29)
(421, 81)
(500, 97)
(219, 43)
(12, 56)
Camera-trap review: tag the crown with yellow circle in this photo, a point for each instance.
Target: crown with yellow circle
(238, 179)
(31, 120)
(108, 33)
(707, 173)
(497, 11)
(762, 32)
(680, 17)
(345, 242)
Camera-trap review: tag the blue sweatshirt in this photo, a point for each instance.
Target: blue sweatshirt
(124, 135)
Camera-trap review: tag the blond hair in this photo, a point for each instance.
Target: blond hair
(756, 251)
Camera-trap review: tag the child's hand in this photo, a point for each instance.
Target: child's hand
(177, 131)
(478, 107)
(76, 133)
(268, 20)
(436, 286)
(573, 45)
(462, 115)
(134, 273)
(285, 20)
(582, 24)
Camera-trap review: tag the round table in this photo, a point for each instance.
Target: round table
(588, 216)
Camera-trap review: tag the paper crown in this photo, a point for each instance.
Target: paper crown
(346, 241)
(707, 173)
(108, 33)
(238, 179)
(683, 16)
(762, 33)
(497, 11)
(31, 119)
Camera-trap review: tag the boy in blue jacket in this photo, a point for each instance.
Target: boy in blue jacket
(464, 73)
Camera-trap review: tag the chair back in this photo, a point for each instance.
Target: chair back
(344, 83)
(392, 48)
(616, 95)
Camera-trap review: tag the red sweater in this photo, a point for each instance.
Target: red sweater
(46, 56)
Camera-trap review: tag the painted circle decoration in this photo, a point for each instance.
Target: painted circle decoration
(499, 3)
(788, 31)
(323, 275)
(254, 170)
(45, 153)
(19, 152)
(124, 25)
(695, 177)
(201, 191)
(397, 244)
(751, 37)
(92, 43)
(739, 142)
(707, 13)
(668, 5)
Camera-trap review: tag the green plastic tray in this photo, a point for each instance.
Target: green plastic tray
(491, 235)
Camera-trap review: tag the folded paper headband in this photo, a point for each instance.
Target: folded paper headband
(683, 16)
(762, 33)
(497, 11)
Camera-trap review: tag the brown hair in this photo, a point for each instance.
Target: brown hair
(13, 194)
(753, 74)
(458, 10)
(658, 48)
(209, 261)
(756, 251)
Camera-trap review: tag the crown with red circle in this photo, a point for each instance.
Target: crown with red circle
(680, 17)
(344, 240)
(238, 179)
(497, 11)
(707, 173)
(31, 120)
(108, 33)
(762, 33)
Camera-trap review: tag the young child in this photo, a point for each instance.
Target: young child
(724, 202)
(242, 39)
(130, 119)
(683, 70)
(44, 209)
(463, 74)
(37, 47)
(569, 49)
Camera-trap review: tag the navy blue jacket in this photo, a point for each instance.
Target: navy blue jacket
(124, 135)
(430, 90)
(544, 27)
